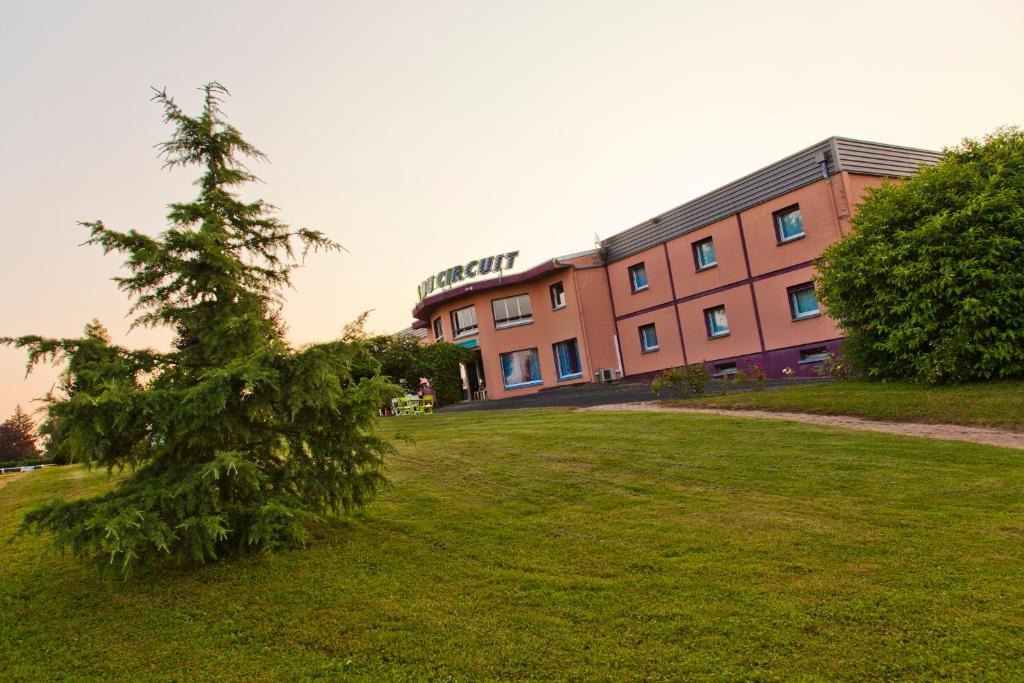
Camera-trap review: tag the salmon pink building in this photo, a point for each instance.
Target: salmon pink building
(725, 279)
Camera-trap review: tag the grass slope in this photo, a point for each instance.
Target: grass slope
(991, 404)
(553, 545)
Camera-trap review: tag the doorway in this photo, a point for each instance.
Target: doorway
(476, 384)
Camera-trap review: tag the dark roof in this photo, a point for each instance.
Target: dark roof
(418, 329)
(803, 168)
(424, 308)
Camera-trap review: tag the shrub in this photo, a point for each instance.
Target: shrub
(672, 380)
(439, 362)
(930, 285)
(753, 375)
(683, 381)
(836, 366)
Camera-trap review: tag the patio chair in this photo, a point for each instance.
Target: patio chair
(426, 406)
(401, 405)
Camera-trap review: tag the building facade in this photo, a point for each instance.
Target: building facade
(725, 279)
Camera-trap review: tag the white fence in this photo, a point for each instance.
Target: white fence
(25, 468)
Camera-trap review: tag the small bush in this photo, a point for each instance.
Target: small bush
(836, 366)
(754, 376)
(692, 378)
(671, 380)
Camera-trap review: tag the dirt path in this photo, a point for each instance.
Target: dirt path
(992, 437)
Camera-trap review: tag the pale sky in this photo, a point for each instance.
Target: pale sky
(425, 134)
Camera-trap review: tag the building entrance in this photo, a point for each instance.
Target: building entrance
(475, 383)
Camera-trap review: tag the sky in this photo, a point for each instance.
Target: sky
(422, 135)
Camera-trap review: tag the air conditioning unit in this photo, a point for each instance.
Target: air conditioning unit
(605, 375)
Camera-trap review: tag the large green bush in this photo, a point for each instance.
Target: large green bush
(403, 360)
(930, 285)
(439, 363)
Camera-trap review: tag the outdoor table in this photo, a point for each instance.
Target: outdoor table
(413, 405)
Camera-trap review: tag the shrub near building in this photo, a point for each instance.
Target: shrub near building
(930, 286)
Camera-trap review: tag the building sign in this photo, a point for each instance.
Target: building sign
(446, 278)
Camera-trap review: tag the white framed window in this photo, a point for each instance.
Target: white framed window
(704, 254)
(464, 322)
(716, 322)
(638, 277)
(789, 225)
(802, 301)
(520, 368)
(815, 355)
(557, 296)
(512, 311)
(725, 369)
(567, 359)
(648, 338)
(438, 330)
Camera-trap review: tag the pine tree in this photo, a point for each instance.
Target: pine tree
(237, 441)
(18, 438)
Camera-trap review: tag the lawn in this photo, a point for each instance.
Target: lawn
(546, 544)
(989, 404)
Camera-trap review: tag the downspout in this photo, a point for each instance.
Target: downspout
(615, 322)
(583, 321)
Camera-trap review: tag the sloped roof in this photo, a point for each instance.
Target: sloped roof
(807, 166)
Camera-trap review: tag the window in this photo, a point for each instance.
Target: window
(515, 310)
(638, 277)
(567, 359)
(648, 338)
(815, 355)
(716, 322)
(438, 330)
(557, 296)
(704, 254)
(520, 368)
(464, 321)
(725, 369)
(788, 224)
(802, 302)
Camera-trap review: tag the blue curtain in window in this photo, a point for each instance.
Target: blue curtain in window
(520, 367)
(507, 363)
(640, 278)
(568, 358)
(791, 224)
(804, 301)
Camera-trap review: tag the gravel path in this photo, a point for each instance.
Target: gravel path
(992, 437)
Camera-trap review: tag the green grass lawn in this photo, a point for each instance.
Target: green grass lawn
(991, 404)
(591, 546)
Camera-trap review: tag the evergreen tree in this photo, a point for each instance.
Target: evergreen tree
(17, 438)
(237, 442)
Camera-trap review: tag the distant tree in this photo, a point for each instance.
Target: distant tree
(237, 442)
(930, 285)
(18, 437)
